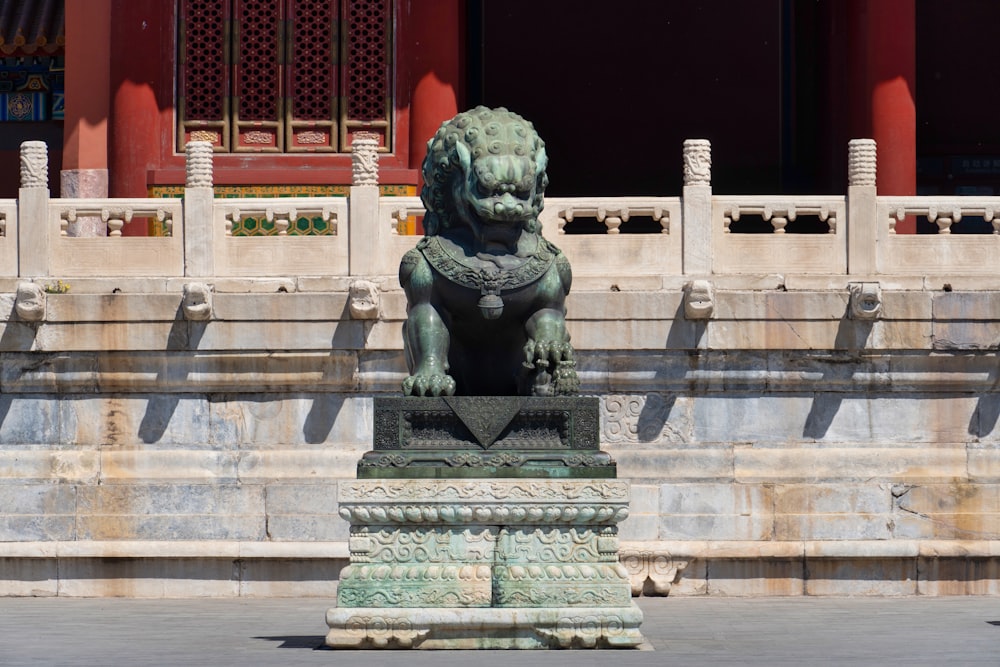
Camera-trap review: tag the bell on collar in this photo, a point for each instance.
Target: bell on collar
(491, 306)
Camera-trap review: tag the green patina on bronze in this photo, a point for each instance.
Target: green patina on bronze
(485, 292)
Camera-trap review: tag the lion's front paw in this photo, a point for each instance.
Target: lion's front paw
(429, 385)
(553, 368)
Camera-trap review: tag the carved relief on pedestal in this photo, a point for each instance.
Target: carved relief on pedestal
(652, 573)
(629, 418)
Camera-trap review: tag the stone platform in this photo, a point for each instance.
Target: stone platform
(484, 564)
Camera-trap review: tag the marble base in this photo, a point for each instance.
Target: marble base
(490, 628)
(484, 564)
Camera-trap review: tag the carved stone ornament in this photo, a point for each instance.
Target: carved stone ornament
(866, 301)
(697, 162)
(652, 573)
(364, 159)
(34, 164)
(197, 302)
(699, 300)
(198, 164)
(862, 162)
(364, 300)
(30, 302)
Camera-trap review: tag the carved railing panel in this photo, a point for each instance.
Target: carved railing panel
(945, 252)
(284, 250)
(613, 249)
(779, 251)
(116, 254)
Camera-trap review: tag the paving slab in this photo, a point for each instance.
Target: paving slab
(681, 631)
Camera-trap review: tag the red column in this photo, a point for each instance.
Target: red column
(136, 105)
(883, 36)
(85, 129)
(433, 49)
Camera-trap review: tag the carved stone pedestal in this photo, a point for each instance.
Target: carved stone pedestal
(476, 563)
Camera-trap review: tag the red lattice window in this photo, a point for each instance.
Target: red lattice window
(284, 75)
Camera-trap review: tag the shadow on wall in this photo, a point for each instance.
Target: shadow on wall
(684, 333)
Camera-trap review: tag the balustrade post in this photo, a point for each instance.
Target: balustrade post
(33, 229)
(862, 200)
(696, 206)
(199, 202)
(364, 235)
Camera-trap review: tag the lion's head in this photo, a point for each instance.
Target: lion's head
(486, 166)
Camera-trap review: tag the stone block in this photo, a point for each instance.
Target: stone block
(975, 306)
(288, 307)
(22, 465)
(984, 461)
(832, 499)
(171, 512)
(289, 577)
(271, 420)
(278, 335)
(623, 305)
(818, 463)
(637, 334)
(833, 526)
(112, 307)
(755, 578)
(774, 334)
(956, 497)
(959, 576)
(749, 417)
(965, 335)
(859, 577)
(27, 372)
(381, 371)
(156, 421)
(304, 512)
(899, 335)
(29, 577)
(295, 464)
(134, 464)
(32, 419)
(711, 463)
(36, 527)
(722, 511)
(148, 577)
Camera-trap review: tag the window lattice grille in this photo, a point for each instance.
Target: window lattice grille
(284, 75)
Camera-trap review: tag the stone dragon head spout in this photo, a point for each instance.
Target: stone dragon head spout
(485, 168)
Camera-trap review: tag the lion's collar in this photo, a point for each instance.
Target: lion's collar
(489, 276)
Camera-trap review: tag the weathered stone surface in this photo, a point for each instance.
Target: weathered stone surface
(754, 578)
(725, 511)
(862, 577)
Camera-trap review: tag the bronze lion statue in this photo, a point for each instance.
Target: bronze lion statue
(485, 292)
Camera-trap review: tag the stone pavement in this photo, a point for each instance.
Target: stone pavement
(682, 631)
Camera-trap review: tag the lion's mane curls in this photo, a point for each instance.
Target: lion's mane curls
(470, 135)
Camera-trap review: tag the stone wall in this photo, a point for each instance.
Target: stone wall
(785, 445)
